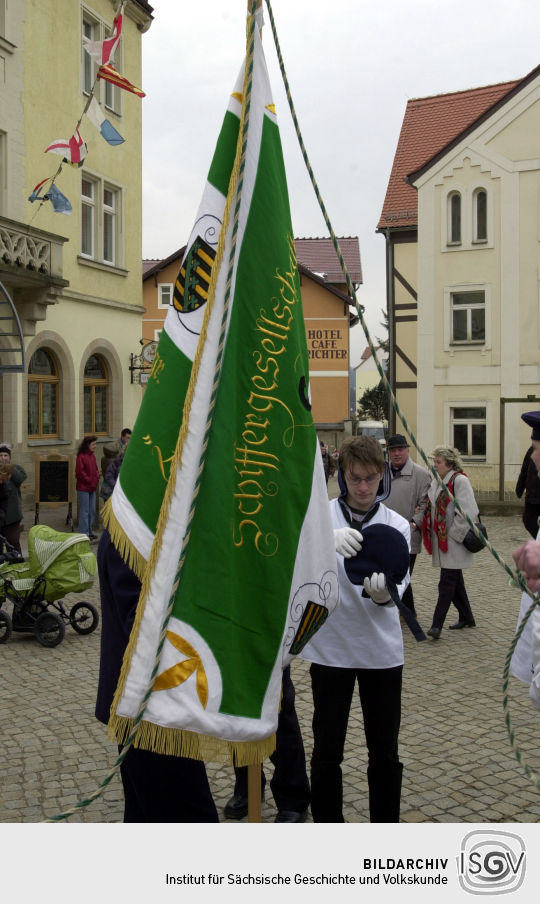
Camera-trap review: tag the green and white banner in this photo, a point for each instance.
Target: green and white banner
(223, 473)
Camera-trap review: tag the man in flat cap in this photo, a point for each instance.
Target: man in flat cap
(408, 496)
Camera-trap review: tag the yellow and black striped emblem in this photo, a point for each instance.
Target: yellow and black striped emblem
(313, 618)
(193, 280)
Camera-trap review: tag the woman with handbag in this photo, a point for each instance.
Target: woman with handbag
(444, 529)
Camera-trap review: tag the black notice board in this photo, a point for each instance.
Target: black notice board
(54, 481)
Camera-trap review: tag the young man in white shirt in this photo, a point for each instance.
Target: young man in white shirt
(362, 642)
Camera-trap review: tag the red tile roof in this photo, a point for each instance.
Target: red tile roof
(429, 125)
(319, 256)
(316, 255)
(148, 264)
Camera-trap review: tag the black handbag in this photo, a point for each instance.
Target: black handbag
(471, 541)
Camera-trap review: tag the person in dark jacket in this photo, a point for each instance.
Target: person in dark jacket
(157, 787)
(329, 464)
(528, 482)
(5, 474)
(11, 526)
(111, 476)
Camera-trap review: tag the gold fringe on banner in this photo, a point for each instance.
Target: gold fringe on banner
(149, 567)
(179, 742)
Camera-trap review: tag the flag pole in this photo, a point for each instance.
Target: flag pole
(254, 792)
(254, 770)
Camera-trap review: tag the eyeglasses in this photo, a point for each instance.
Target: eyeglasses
(369, 481)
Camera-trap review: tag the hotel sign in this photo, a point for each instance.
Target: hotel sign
(327, 344)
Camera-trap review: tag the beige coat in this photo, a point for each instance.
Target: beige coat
(409, 493)
(456, 525)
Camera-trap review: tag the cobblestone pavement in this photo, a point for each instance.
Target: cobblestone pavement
(459, 765)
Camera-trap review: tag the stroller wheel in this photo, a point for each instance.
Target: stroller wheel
(5, 627)
(49, 629)
(83, 618)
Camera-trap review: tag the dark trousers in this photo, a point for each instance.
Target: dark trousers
(289, 784)
(12, 533)
(531, 513)
(452, 590)
(380, 697)
(408, 599)
(162, 788)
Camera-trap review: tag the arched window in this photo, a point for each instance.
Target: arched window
(480, 215)
(96, 396)
(43, 389)
(454, 218)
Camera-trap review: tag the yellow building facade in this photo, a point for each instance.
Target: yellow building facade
(74, 280)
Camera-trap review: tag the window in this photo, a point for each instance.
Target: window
(90, 30)
(480, 215)
(43, 387)
(96, 396)
(109, 225)
(113, 92)
(100, 220)
(165, 294)
(468, 317)
(87, 217)
(468, 427)
(454, 218)
(109, 94)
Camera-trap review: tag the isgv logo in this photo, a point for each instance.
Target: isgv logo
(491, 863)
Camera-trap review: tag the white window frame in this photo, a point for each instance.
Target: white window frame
(106, 93)
(166, 289)
(472, 344)
(469, 227)
(452, 420)
(100, 211)
(110, 214)
(476, 240)
(157, 334)
(455, 193)
(89, 66)
(88, 205)
(112, 94)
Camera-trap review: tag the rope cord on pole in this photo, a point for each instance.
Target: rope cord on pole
(516, 577)
(243, 133)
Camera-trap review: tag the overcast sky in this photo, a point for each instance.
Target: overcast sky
(352, 66)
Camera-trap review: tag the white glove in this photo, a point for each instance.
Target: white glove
(348, 541)
(376, 588)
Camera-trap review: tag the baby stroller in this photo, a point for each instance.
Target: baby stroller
(57, 564)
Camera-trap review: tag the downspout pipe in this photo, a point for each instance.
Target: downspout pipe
(390, 309)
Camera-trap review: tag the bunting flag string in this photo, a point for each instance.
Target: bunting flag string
(98, 119)
(74, 150)
(53, 194)
(103, 51)
(109, 74)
